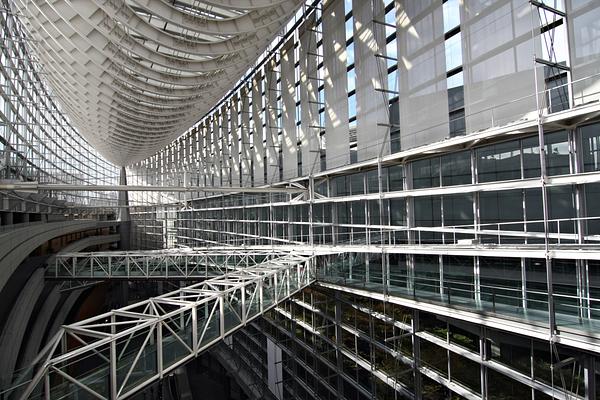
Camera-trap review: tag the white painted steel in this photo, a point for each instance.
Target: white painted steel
(135, 345)
(133, 75)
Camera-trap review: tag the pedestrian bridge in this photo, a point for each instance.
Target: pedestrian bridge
(174, 264)
(116, 354)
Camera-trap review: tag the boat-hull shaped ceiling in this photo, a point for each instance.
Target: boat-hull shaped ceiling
(134, 74)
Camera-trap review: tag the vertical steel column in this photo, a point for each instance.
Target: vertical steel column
(47, 386)
(311, 199)
(523, 284)
(484, 354)
(114, 389)
(416, 355)
(589, 377)
(244, 312)
(580, 205)
(159, 349)
(113, 370)
(222, 315)
(543, 179)
(195, 344)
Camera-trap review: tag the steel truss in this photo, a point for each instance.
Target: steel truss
(179, 264)
(114, 355)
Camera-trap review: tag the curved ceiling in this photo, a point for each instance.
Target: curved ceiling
(134, 74)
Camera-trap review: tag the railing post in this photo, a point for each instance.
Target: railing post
(261, 295)
(244, 313)
(47, 386)
(222, 315)
(195, 329)
(498, 233)
(159, 349)
(113, 370)
(114, 390)
(276, 286)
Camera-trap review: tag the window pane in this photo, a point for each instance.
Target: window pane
(458, 276)
(426, 173)
(453, 52)
(592, 208)
(427, 273)
(456, 168)
(537, 290)
(561, 205)
(427, 214)
(451, 10)
(499, 162)
(590, 140)
(557, 153)
(458, 209)
(501, 207)
(397, 212)
(500, 280)
(564, 283)
(395, 178)
(531, 157)
(398, 272)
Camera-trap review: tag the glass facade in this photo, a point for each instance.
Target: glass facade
(37, 141)
(441, 205)
(447, 155)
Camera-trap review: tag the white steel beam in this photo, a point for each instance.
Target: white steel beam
(155, 336)
(35, 187)
(190, 55)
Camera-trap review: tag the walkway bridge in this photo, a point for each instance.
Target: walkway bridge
(173, 264)
(114, 355)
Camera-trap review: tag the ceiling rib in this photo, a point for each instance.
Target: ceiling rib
(134, 74)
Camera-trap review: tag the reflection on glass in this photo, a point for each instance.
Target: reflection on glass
(499, 162)
(590, 140)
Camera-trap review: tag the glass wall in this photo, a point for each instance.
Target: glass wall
(37, 140)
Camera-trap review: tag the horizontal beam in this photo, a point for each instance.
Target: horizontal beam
(35, 187)
(160, 265)
(546, 7)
